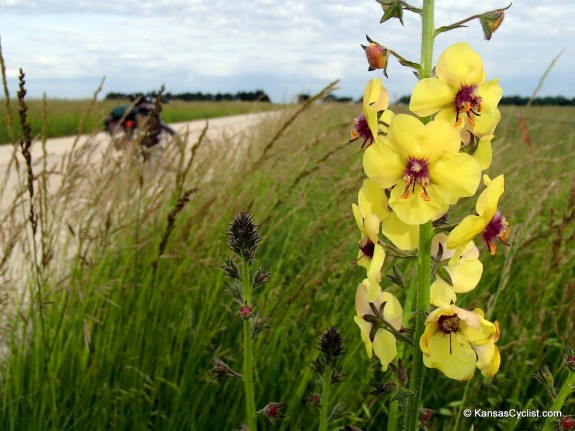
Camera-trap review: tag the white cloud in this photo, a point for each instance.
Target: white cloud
(280, 46)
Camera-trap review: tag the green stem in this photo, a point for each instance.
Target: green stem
(325, 387)
(392, 424)
(422, 306)
(463, 399)
(248, 353)
(566, 389)
(425, 234)
(427, 38)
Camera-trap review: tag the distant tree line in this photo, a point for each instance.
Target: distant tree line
(522, 101)
(244, 96)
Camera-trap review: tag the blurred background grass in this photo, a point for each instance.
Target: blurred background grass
(108, 344)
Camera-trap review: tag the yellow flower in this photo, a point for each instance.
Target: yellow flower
(423, 166)
(456, 341)
(371, 254)
(376, 117)
(464, 269)
(458, 92)
(488, 222)
(373, 317)
(372, 199)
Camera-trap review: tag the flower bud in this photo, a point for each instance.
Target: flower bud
(231, 269)
(567, 422)
(245, 312)
(569, 358)
(376, 55)
(545, 377)
(425, 415)
(490, 21)
(221, 369)
(391, 9)
(271, 411)
(314, 399)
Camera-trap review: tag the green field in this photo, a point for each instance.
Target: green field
(67, 117)
(113, 333)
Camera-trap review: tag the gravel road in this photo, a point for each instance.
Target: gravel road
(59, 148)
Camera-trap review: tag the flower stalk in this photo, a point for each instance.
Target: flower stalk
(425, 235)
(422, 306)
(565, 390)
(325, 392)
(248, 353)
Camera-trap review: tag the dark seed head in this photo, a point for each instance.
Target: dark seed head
(243, 237)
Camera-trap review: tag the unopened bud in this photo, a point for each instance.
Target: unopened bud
(399, 372)
(261, 277)
(314, 399)
(545, 377)
(391, 9)
(260, 323)
(272, 411)
(425, 415)
(567, 422)
(490, 21)
(221, 369)
(376, 55)
(569, 358)
(245, 311)
(231, 269)
(382, 389)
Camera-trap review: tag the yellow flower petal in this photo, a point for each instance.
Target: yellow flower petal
(488, 359)
(383, 165)
(465, 275)
(407, 136)
(485, 123)
(476, 335)
(361, 303)
(441, 293)
(484, 152)
(402, 235)
(465, 231)
(452, 355)
(414, 210)
(456, 175)
(375, 95)
(372, 199)
(431, 95)
(490, 93)
(384, 346)
(489, 198)
(374, 272)
(441, 138)
(460, 65)
(358, 218)
(371, 223)
(365, 327)
(392, 311)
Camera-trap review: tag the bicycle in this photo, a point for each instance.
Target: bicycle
(140, 123)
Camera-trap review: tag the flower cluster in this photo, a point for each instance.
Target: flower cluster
(419, 167)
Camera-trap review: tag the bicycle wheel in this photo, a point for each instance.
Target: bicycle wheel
(121, 137)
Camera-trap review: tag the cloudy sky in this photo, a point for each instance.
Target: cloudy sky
(284, 47)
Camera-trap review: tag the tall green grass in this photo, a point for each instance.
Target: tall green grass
(102, 331)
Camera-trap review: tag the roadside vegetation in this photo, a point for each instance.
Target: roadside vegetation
(62, 116)
(113, 292)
